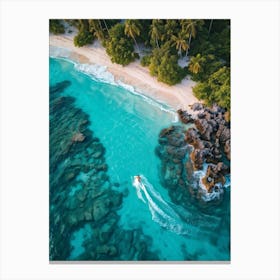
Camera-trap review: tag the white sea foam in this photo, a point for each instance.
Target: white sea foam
(162, 212)
(214, 194)
(100, 73)
(57, 52)
(96, 71)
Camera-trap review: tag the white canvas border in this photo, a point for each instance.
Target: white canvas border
(255, 138)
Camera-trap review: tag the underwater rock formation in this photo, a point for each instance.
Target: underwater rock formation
(82, 198)
(172, 150)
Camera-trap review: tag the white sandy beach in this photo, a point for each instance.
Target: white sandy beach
(178, 96)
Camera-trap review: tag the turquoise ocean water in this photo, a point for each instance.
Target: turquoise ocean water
(128, 126)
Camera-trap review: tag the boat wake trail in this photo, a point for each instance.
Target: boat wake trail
(164, 213)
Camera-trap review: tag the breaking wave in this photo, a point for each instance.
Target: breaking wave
(100, 73)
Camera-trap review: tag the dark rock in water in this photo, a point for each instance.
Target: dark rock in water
(177, 141)
(88, 216)
(109, 250)
(106, 230)
(78, 159)
(174, 152)
(166, 131)
(213, 128)
(102, 167)
(210, 142)
(102, 176)
(98, 154)
(100, 209)
(78, 137)
(72, 219)
(162, 141)
(72, 203)
(59, 87)
(82, 194)
(96, 192)
(185, 117)
(70, 176)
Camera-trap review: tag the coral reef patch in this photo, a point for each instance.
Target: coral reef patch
(82, 198)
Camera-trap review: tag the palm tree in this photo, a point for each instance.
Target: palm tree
(171, 28)
(180, 42)
(106, 26)
(96, 29)
(190, 26)
(132, 29)
(156, 31)
(196, 63)
(210, 26)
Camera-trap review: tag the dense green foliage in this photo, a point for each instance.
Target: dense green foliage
(210, 63)
(205, 43)
(83, 38)
(169, 71)
(145, 60)
(163, 64)
(119, 47)
(56, 27)
(216, 89)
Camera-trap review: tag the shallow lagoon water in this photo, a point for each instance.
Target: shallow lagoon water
(128, 126)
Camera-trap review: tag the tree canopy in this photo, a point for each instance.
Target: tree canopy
(216, 89)
(56, 26)
(120, 47)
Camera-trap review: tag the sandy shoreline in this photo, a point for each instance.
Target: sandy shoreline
(178, 96)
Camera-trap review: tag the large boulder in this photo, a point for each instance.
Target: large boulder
(184, 116)
(166, 131)
(175, 152)
(197, 158)
(59, 87)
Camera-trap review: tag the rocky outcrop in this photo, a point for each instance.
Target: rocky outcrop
(210, 140)
(185, 117)
(215, 175)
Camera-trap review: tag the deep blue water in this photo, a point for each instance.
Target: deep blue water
(128, 126)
